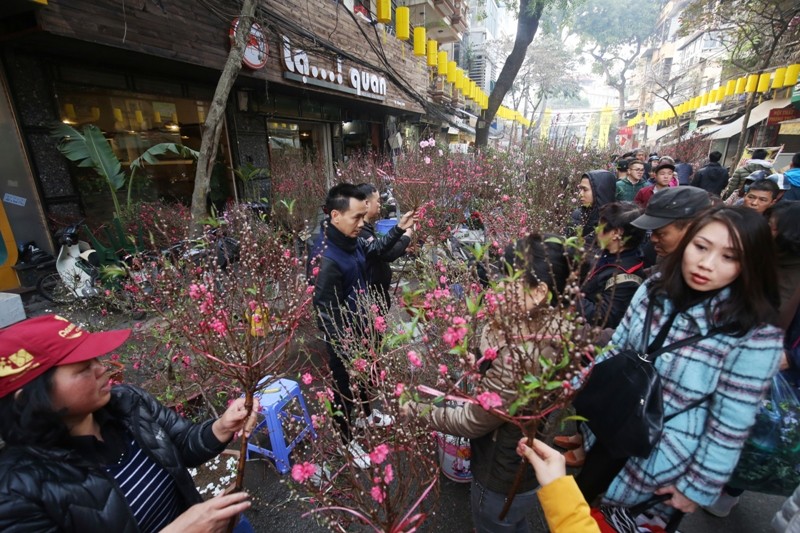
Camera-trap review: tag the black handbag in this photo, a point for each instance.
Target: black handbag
(622, 399)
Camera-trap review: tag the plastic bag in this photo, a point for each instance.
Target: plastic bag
(770, 461)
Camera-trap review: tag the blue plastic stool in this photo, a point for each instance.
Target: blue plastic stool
(273, 398)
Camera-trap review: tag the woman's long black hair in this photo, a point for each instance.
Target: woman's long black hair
(27, 418)
(753, 296)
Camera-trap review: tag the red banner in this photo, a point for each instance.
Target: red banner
(779, 115)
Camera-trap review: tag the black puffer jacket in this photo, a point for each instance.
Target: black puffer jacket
(379, 272)
(610, 286)
(604, 191)
(58, 490)
(713, 177)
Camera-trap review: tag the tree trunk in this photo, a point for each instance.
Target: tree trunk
(216, 114)
(748, 107)
(530, 11)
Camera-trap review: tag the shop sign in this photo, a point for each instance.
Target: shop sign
(779, 115)
(256, 52)
(790, 128)
(298, 67)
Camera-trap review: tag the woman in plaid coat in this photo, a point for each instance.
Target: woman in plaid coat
(722, 276)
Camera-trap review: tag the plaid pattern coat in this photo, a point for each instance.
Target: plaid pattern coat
(700, 447)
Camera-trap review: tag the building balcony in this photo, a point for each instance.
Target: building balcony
(445, 20)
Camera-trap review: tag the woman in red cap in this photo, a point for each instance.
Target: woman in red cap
(81, 455)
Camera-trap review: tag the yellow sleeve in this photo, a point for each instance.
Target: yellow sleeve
(565, 508)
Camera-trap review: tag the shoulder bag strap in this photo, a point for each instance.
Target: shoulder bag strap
(685, 342)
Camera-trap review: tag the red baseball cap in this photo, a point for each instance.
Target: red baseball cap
(31, 347)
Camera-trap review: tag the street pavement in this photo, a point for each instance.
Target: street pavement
(274, 511)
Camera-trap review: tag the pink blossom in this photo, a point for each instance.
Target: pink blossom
(442, 279)
(379, 453)
(454, 335)
(489, 400)
(287, 254)
(380, 324)
(490, 354)
(307, 378)
(431, 142)
(399, 389)
(388, 474)
(505, 198)
(218, 326)
(317, 421)
(196, 291)
(377, 494)
(315, 271)
(309, 289)
(413, 358)
(423, 144)
(427, 160)
(443, 370)
(360, 364)
(441, 153)
(301, 472)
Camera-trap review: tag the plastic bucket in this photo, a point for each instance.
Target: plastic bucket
(454, 457)
(382, 227)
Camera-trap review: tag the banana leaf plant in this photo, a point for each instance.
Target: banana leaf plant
(91, 149)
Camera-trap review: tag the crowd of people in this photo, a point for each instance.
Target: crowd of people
(701, 261)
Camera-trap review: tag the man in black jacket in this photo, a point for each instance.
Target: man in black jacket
(713, 177)
(379, 272)
(340, 281)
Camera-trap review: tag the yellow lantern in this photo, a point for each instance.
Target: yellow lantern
(740, 83)
(704, 100)
(451, 72)
(384, 11)
(752, 83)
(433, 48)
(441, 66)
(792, 73)
(780, 75)
(730, 87)
(763, 82)
(419, 41)
(403, 25)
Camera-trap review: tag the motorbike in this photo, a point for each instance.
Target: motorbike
(77, 269)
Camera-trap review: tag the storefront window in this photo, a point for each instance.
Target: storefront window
(132, 124)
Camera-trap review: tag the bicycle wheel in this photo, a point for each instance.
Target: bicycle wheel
(52, 287)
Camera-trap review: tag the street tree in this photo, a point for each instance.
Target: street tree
(757, 34)
(547, 72)
(212, 130)
(614, 33)
(529, 13)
